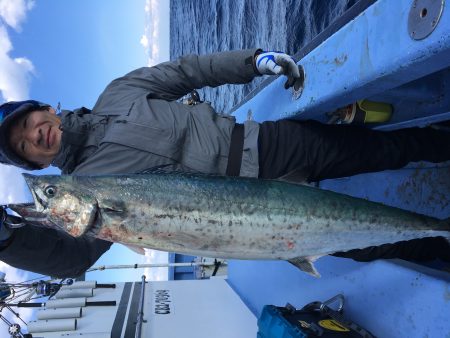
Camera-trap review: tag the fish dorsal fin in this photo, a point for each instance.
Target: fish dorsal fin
(166, 170)
(297, 176)
(306, 264)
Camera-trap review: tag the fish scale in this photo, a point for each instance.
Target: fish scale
(223, 217)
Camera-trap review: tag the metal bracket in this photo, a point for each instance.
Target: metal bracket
(336, 299)
(424, 17)
(299, 84)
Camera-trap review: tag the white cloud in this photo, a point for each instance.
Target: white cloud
(156, 31)
(13, 12)
(14, 72)
(144, 42)
(153, 257)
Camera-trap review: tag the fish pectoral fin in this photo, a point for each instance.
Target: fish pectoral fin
(306, 264)
(112, 206)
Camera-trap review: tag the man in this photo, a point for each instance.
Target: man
(47, 251)
(137, 124)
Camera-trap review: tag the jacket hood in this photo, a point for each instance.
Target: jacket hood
(76, 129)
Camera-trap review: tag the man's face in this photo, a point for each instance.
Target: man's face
(36, 136)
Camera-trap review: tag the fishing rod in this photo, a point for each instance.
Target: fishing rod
(157, 265)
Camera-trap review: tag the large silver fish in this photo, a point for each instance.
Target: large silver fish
(224, 217)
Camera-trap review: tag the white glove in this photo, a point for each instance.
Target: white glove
(277, 63)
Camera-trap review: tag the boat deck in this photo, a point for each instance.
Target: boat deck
(375, 55)
(390, 298)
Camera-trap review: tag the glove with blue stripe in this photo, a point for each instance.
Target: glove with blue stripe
(278, 63)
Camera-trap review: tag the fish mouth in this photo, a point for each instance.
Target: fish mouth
(27, 211)
(30, 215)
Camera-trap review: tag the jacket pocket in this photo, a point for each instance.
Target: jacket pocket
(142, 137)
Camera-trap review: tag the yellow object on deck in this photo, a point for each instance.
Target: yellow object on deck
(365, 111)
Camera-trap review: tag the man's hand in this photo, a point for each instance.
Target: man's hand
(277, 63)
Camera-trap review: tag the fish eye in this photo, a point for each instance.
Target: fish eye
(50, 191)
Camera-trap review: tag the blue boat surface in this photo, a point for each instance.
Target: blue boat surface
(396, 52)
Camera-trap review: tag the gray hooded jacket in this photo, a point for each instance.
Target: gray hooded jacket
(137, 124)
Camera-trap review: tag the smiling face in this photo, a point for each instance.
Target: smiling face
(36, 136)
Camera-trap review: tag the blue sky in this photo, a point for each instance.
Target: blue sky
(78, 47)
(68, 51)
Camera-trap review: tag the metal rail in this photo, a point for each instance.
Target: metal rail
(153, 265)
(140, 315)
